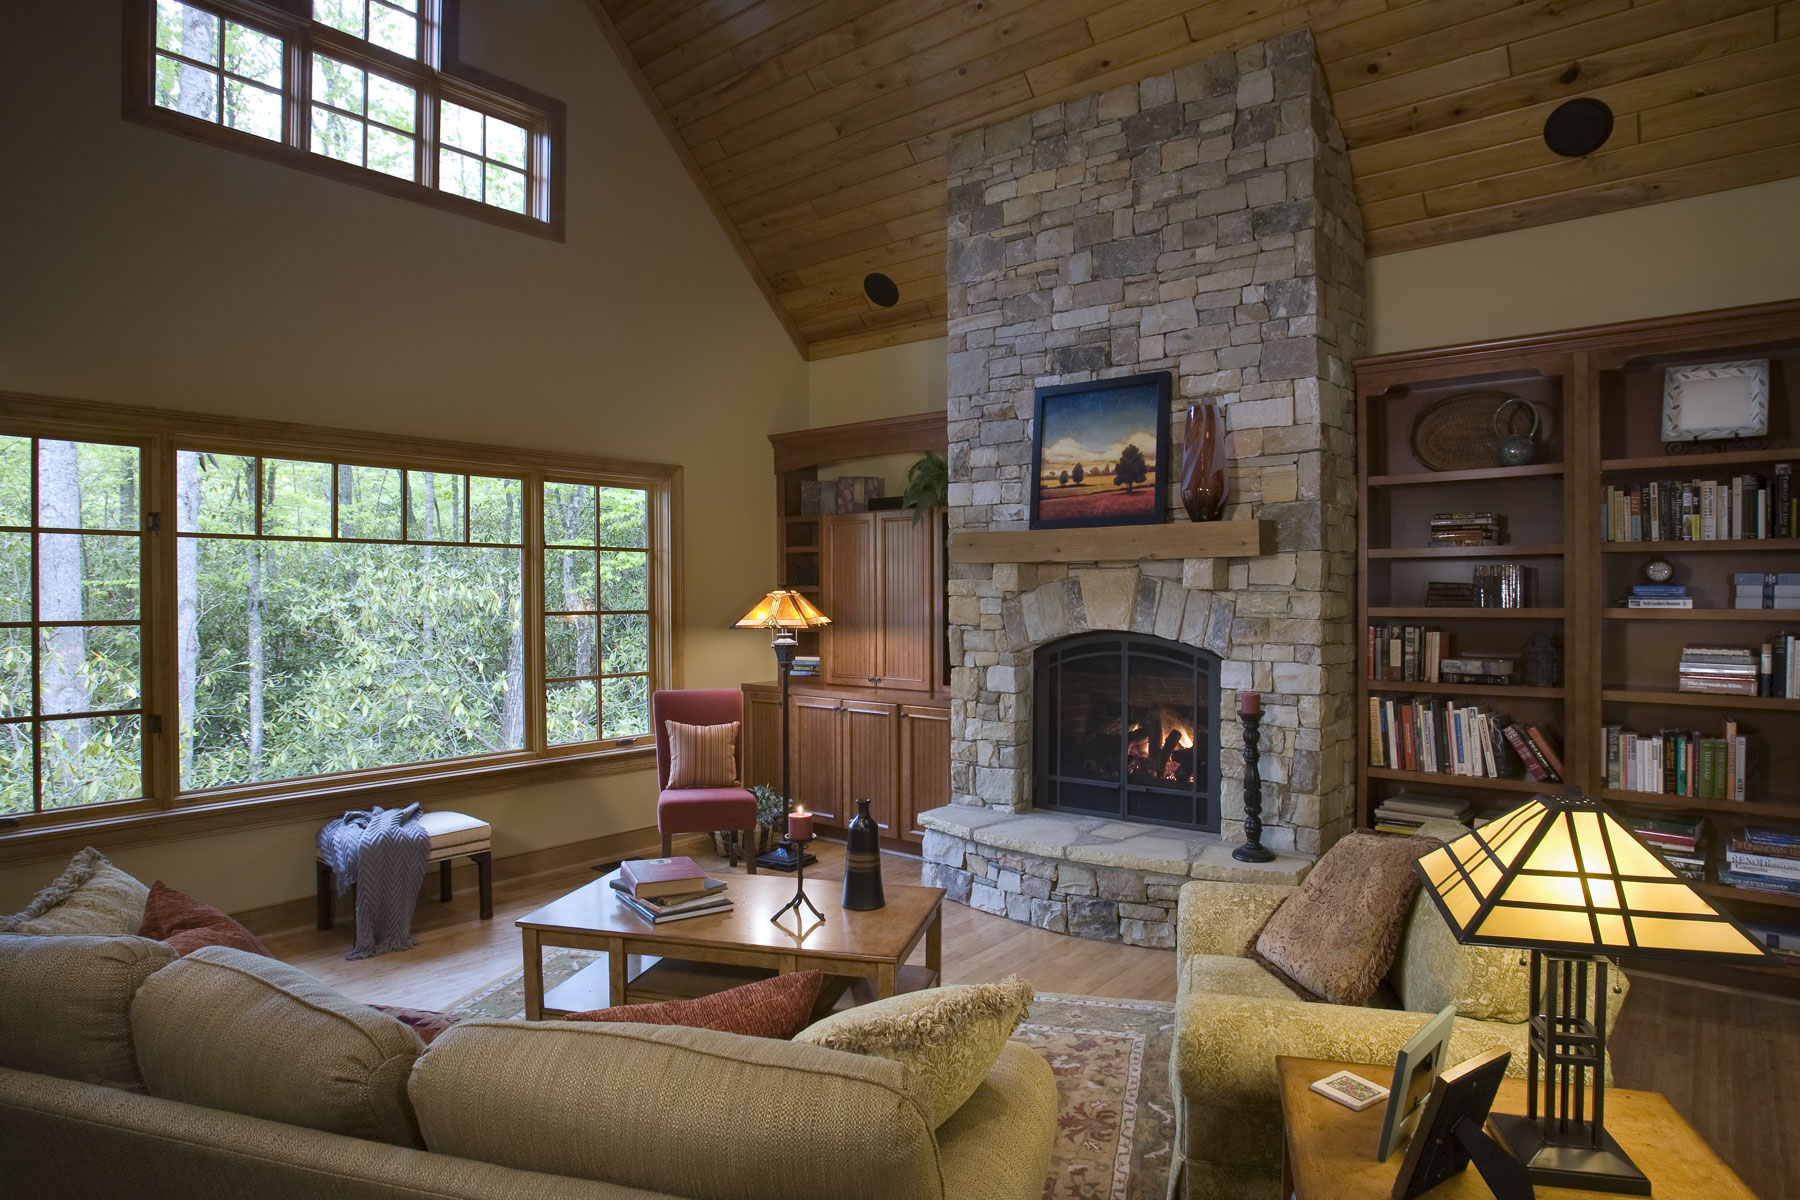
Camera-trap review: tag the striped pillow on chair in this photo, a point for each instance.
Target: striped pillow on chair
(702, 755)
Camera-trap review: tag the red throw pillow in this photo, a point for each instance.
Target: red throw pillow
(187, 924)
(771, 1008)
(425, 1022)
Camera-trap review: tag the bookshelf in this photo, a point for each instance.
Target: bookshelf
(1600, 394)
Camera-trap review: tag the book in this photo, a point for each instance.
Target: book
(678, 901)
(1350, 1090)
(661, 876)
(722, 904)
(1759, 883)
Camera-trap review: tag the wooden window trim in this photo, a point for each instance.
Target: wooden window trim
(166, 812)
(544, 117)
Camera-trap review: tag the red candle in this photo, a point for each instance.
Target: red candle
(1250, 703)
(800, 825)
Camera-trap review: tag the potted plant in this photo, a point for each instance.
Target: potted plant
(927, 484)
(771, 822)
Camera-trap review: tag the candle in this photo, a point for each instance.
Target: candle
(1250, 703)
(799, 827)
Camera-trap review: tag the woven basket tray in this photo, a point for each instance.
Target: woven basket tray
(1457, 432)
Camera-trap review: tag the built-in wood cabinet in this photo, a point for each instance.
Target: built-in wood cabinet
(853, 744)
(883, 591)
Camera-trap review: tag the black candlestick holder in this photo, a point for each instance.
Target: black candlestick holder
(1252, 850)
(798, 848)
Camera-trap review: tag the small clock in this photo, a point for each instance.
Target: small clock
(1658, 570)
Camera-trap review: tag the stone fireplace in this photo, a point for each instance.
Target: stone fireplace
(1202, 223)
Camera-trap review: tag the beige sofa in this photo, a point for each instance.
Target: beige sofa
(1232, 1018)
(223, 1074)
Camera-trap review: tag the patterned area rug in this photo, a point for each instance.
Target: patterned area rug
(1115, 1123)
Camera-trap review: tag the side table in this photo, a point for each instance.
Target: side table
(1328, 1152)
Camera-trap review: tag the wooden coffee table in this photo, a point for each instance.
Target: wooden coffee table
(682, 959)
(1328, 1152)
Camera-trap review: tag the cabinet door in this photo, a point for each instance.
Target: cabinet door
(762, 738)
(924, 766)
(906, 587)
(869, 766)
(817, 730)
(850, 600)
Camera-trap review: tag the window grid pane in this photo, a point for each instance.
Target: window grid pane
(483, 157)
(217, 70)
(597, 612)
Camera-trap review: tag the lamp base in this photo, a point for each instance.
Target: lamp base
(782, 858)
(1607, 1169)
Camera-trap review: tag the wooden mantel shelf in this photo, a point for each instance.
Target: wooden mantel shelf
(1116, 543)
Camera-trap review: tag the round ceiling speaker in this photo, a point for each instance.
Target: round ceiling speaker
(1578, 127)
(881, 290)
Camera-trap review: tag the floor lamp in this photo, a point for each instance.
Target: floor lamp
(782, 612)
(1563, 878)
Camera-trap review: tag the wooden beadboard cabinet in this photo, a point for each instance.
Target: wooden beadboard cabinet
(884, 593)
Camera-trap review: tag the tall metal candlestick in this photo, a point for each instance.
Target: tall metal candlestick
(1252, 850)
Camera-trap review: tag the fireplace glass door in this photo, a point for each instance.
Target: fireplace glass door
(1127, 725)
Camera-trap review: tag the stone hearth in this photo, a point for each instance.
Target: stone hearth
(1200, 222)
(1088, 876)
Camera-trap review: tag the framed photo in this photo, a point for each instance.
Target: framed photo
(1441, 1147)
(1716, 400)
(1415, 1070)
(1100, 453)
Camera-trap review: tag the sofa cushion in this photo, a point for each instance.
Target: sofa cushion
(771, 1008)
(691, 1112)
(947, 1038)
(225, 1029)
(1485, 983)
(65, 1005)
(188, 924)
(702, 756)
(90, 897)
(1226, 975)
(1337, 936)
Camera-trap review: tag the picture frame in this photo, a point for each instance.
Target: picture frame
(1416, 1069)
(1451, 1134)
(1100, 453)
(1710, 401)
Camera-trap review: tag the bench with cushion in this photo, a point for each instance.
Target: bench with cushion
(453, 835)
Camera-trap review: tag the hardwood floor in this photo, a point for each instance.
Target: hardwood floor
(1729, 1061)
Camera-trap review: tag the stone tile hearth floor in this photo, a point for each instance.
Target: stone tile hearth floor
(1105, 842)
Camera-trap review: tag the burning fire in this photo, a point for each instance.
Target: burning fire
(1162, 754)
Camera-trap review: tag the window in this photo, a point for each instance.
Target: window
(338, 613)
(71, 624)
(352, 93)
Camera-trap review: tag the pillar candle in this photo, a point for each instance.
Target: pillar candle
(799, 827)
(1250, 703)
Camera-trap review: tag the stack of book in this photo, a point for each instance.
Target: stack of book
(1406, 812)
(1784, 940)
(1435, 736)
(1700, 510)
(1405, 653)
(1672, 762)
(1767, 590)
(1465, 529)
(1680, 840)
(1469, 669)
(1499, 809)
(661, 890)
(805, 664)
(1659, 595)
(1764, 860)
(1442, 593)
(1778, 666)
(1500, 585)
(1726, 670)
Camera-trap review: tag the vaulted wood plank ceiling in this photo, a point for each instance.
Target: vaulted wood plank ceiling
(817, 128)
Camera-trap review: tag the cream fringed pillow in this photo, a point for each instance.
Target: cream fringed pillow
(91, 897)
(947, 1038)
(702, 756)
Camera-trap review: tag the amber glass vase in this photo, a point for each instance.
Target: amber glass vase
(1204, 485)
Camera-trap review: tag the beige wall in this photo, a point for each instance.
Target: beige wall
(144, 268)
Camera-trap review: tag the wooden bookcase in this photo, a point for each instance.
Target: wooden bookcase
(1600, 393)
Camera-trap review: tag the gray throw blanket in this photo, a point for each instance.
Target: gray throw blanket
(382, 853)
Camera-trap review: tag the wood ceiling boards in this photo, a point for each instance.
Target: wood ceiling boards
(817, 128)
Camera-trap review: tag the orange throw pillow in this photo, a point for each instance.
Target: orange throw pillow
(771, 1008)
(702, 756)
(187, 924)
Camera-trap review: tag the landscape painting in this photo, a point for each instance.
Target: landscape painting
(1099, 452)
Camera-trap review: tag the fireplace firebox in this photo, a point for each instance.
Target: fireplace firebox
(1127, 725)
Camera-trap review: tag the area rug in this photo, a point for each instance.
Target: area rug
(1115, 1122)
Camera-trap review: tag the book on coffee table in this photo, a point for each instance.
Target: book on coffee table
(709, 894)
(657, 916)
(647, 877)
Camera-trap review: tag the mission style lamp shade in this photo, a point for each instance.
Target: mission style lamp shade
(782, 612)
(1565, 880)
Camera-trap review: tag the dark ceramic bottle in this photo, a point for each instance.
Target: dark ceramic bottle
(862, 865)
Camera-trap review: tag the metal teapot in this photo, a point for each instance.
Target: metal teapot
(1515, 449)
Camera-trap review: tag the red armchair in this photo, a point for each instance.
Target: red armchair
(702, 810)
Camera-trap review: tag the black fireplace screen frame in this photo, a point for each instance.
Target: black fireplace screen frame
(1048, 778)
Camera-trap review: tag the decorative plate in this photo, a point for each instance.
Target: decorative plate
(1716, 400)
(1458, 432)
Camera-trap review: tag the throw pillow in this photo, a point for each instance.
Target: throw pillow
(948, 1038)
(702, 755)
(1336, 937)
(187, 924)
(771, 1008)
(91, 896)
(422, 1021)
